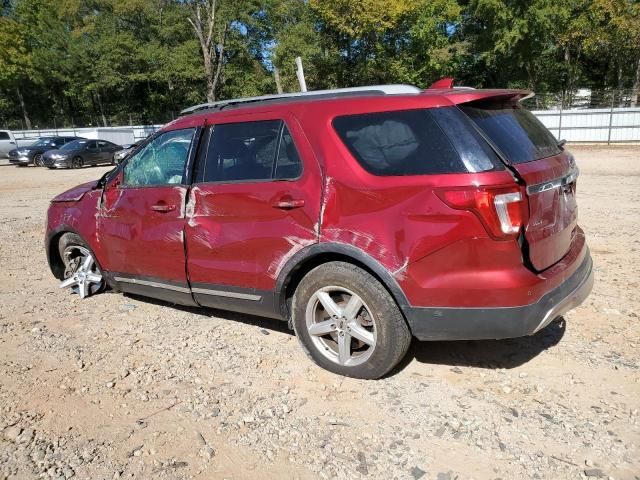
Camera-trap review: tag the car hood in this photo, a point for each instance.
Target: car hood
(76, 193)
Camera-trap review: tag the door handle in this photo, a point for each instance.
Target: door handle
(161, 207)
(289, 203)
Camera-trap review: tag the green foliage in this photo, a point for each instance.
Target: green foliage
(93, 61)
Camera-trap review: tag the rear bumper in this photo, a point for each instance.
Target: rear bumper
(450, 323)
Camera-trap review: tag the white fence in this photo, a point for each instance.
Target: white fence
(120, 135)
(597, 125)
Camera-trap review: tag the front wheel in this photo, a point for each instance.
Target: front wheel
(76, 162)
(348, 323)
(81, 272)
(37, 160)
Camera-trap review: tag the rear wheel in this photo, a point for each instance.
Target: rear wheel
(37, 160)
(348, 323)
(81, 272)
(77, 162)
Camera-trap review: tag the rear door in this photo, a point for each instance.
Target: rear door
(254, 204)
(549, 173)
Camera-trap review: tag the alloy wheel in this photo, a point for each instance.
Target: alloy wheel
(341, 326)
(37, 160)
(81, 273)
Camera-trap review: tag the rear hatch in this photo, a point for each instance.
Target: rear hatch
(548, 172)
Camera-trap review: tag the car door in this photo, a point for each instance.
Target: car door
(141, 219)
(106, 151)
(254, 204)
(92, 153)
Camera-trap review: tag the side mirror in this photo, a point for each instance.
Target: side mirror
(562, 143)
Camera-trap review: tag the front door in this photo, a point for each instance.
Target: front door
(92, 155)
(141, 221)
(254, 204)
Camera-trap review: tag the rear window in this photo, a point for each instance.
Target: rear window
(4, 136)
(415, 142)
(519, 135)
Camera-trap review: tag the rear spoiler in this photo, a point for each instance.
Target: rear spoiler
(457, 95)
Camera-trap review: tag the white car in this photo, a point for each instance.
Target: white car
(7, 143)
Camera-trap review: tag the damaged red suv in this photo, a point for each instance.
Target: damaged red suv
(361, 216)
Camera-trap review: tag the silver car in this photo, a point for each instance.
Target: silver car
(7, 143)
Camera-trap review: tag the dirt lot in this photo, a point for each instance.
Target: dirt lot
(122, 387)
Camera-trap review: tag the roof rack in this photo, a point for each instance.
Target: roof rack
(396, 89)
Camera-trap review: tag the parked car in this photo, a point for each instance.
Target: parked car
(7, 143)
(32, 154)
(80, 153)
(362, 217)
(126, 150)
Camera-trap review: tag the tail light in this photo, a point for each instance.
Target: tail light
(502, 210)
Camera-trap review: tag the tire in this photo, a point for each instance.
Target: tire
(388, 326)
(37, 160)
(77, 162)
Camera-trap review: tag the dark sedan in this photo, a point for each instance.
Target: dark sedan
(81, 152)
(32, 154)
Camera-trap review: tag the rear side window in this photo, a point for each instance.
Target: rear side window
(415, 142)
(519, 135)
(4, 136)
(251, 151)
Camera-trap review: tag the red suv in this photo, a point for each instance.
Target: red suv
(362, 217)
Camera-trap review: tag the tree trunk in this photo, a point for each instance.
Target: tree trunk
(636, 86)
(276, 74)
(104, 119)
(27, 121)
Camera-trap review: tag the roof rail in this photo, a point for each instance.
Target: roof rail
(395, 89)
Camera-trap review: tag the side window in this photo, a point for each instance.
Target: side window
(102, 144)
(288, 165)
(58, 142)
(92, 144)
(161, 162)
(409, 142)
(4, 136)
(242, 151)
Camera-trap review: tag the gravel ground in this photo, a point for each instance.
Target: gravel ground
(122, 387)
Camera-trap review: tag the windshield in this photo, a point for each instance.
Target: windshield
(76, 144)
(519, 135)
(42, 142)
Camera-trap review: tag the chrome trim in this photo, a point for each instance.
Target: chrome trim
(563, 181)
(222, 293)
(152, 284)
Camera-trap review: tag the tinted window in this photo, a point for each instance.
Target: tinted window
(162, 161)
(242, 151)
(411, 142)
(75, 145)
(58, 142)
(516, 131)
(288, 165)
(4, 136)
(102, 144)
